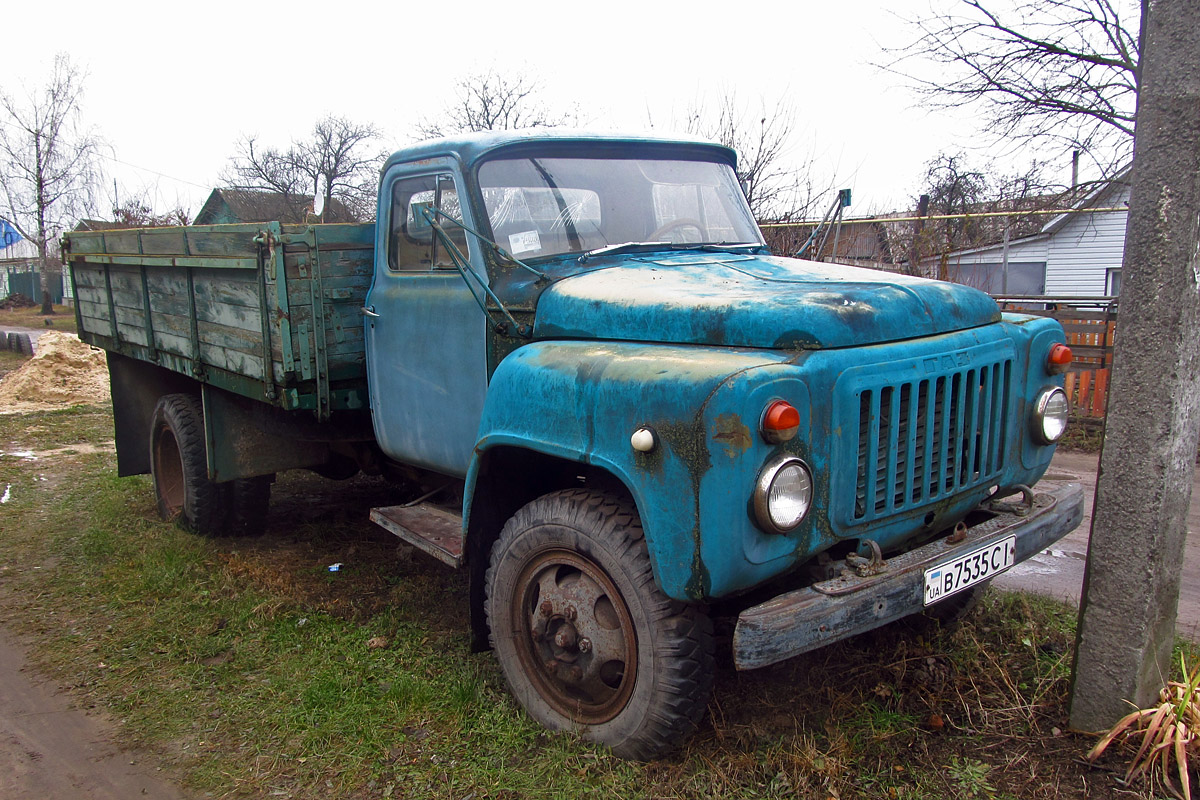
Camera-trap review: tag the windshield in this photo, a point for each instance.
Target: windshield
(549, 206)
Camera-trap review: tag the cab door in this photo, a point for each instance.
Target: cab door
(425, 334)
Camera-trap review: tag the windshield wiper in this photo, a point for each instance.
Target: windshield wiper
(722, 247)
(634, 247)
(624, 247)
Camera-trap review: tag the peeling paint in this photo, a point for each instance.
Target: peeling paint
(731, 433)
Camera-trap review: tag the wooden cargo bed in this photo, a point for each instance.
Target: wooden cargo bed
(269, 311)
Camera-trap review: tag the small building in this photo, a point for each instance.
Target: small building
(1077, 253)
(19, 272)
(229, 206)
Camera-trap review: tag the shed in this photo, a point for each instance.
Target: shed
(1078, 252)
(229, 206)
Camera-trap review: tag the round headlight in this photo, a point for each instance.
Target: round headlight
(1050, 415)
(783, 494)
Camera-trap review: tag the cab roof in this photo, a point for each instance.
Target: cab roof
(469, 148)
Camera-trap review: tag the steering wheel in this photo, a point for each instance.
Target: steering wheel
(682, 222)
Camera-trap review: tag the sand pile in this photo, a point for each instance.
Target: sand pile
(64, 372)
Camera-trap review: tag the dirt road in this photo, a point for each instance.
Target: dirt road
(50, 750)
(1058, 572)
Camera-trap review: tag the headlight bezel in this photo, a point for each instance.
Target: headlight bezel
(767, 478)
(1040, 415)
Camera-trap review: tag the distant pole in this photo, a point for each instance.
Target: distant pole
(1004, 260)
(1131, 583)
(914, 253)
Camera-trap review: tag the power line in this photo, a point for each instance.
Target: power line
(8, 124)
(155, 172)
(967, 215)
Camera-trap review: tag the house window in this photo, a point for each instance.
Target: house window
(1113, 287)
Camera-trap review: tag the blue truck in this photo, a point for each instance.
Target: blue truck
(649, 419)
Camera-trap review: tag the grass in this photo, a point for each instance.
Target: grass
(1083, 436)
(250, 670)
(63, 318)
(10, 361)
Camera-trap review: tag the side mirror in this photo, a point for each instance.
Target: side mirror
(422, 214)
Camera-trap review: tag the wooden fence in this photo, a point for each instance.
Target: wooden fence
(1090, 324)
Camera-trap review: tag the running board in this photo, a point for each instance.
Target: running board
(433, 530)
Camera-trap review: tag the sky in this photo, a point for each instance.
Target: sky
(172, 89)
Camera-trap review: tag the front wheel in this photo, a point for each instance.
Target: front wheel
(585, 639)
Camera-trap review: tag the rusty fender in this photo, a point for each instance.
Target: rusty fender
(826, 612)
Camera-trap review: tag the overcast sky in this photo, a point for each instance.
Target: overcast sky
(171, 88)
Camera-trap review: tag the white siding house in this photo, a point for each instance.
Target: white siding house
(1076, 253)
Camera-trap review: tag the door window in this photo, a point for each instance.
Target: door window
(413, 246)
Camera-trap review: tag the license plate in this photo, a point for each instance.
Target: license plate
(968, 570)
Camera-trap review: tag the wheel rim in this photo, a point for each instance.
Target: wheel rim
(574, 636)
(168, 472)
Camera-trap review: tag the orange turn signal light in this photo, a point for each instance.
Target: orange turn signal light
(1059, 359)
(780, 422)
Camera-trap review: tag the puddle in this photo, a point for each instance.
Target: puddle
(81, 449)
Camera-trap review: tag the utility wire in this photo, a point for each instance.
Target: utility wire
(968, 215)
(8, 124)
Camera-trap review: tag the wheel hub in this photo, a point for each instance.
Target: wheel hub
(575, 636)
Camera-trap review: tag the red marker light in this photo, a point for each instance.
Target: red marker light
(1059, 359)
(780, 422)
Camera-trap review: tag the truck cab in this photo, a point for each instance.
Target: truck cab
(589, 329)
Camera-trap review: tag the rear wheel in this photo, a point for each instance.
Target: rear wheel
(179, 465)
(249, 499)
(584, 637)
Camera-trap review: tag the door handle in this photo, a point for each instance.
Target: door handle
(369, 311)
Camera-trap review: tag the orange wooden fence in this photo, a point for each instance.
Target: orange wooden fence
(1091, 326)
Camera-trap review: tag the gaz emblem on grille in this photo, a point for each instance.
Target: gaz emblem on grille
(948, 361)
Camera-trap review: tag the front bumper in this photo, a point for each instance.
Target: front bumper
(817, 615)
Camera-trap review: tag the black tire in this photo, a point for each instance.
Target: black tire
(179, 465)
(10, 341)
(249, 500)
(584, 637)
(24, 344)
(954, 609)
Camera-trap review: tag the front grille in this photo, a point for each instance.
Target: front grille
(926, 439)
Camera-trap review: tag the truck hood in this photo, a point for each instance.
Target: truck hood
(753, 301)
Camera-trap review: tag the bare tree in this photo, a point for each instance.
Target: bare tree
(1062, 73)
(136, 211)
(335, 163)
(973, 206)
(778, 187)
(491, 101)
(48, 165)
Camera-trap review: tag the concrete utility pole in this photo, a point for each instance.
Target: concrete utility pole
(1131, 586)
